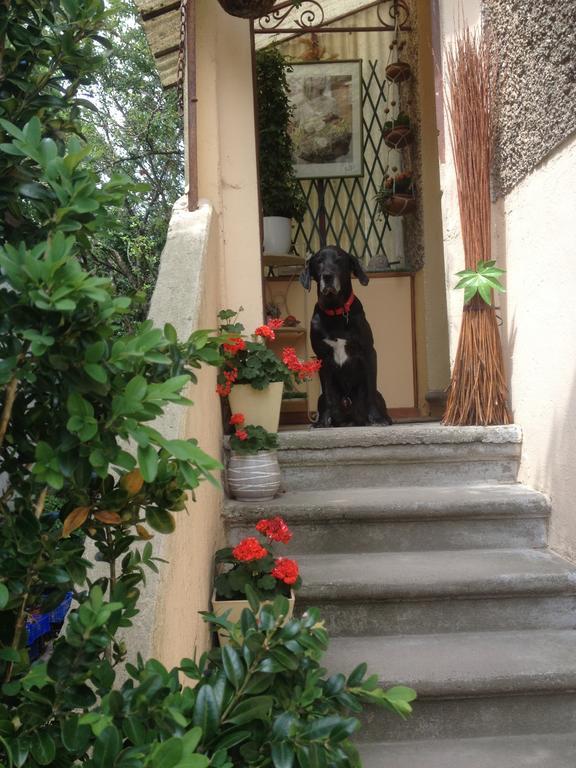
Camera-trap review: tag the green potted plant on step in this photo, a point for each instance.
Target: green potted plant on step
(253, 472)
(280, 192)
(251, 572)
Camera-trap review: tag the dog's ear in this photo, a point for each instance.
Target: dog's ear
(306, 277)
(358, 270)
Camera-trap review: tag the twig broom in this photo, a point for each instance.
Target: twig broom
(477, 392)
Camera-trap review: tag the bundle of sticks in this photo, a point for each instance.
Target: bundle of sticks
(477, 394)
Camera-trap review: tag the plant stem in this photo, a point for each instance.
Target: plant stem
(8, 406)
(39, 507)
(113, 581)
(21, 620)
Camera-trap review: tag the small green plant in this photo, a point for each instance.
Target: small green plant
(481, 281)
(267, 699)
(249, 439)
(400, 184)
(401, 120)
(279, 188)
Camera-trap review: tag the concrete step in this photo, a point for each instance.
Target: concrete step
(470, 684)
(408, 454)
(401, 519)
(542, 750)
(435, 592)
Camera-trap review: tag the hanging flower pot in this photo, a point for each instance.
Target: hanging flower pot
(397, 132)
(399, 205)
(398, 72)
(396, 196)
(247, 9)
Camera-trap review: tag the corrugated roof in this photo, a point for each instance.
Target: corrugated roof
(161, 21)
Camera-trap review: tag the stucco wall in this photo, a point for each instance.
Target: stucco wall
(534, 235)
(534, 44)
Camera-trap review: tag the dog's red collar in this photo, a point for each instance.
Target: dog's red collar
(341, 310)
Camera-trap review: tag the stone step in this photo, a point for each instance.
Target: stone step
(435, 592)
(408, 454)
(541, 750)
(470, 684)
(401, 519)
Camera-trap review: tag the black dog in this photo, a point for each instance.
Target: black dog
(342, 338)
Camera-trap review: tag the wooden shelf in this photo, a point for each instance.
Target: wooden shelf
(282, 260)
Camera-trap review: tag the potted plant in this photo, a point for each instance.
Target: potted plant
(396, 196)
(397, 132)
(253, 472)
(253, 570)
(253, 377)
(280, 192)
(398, 71)
(250, 9)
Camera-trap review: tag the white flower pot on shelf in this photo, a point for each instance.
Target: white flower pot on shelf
(253, 476)
(261, 407)
(277, 235)
(235, 608)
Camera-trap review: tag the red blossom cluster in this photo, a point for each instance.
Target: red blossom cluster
(285, 570)
(265, 331)
(249, 549)
(275, 323)
(237, 420)
(303, 370)
(274, 529)
(230, 375)
(234, 345)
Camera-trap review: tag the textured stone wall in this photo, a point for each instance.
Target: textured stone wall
(535, 45)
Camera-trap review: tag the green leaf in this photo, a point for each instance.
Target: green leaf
(282, 755)
(255, 708)
(107, 746)
(206, 714)
(4, 595)
(9, 654)
(233, 666)
(43, 748)
(148, 461)
(96, 372)
(168, 754)
(75, 737)
(161, 520)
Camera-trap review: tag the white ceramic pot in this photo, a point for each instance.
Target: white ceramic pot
(261, 407)
(235, 608)
(277, 235)
(253, 476)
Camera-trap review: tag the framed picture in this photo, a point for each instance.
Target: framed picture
(327, 120)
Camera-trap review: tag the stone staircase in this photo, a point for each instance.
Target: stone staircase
(429, 562)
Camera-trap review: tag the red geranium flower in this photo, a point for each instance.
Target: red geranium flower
(234, 345)
(249, 549)
(237, 418)
(223, 389)
(275, 323)
(265, 331)
(231, 375)
(241, 434)
(275, 529)
(285, 570)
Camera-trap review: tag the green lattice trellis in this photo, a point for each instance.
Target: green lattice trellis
(343, 210)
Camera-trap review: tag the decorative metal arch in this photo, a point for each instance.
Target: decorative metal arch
(309, 16)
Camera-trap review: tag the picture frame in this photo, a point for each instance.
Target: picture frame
(326, 124)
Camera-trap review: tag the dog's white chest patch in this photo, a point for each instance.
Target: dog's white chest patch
(339, 347)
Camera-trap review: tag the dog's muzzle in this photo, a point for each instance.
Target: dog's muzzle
(329, 285)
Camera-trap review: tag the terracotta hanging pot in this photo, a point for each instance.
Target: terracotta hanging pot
(399, 136)
(247, 9)
(398, 204)
(398, 71)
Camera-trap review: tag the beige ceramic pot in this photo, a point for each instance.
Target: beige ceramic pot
(261, 407)
(235, 608)
(253, 476)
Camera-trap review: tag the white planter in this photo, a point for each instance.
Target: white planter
(261, 407)
(277, 235)
(253, 477)
(235, 608)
